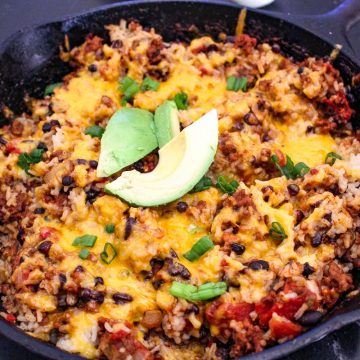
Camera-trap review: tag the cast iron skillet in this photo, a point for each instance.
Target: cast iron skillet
(29, 61)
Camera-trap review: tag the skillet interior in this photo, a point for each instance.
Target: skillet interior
(29, 61)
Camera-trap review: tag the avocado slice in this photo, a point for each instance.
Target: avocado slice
(182, 163)
(128, 137)
(167, 124)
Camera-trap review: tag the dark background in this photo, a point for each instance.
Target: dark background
(16, 14)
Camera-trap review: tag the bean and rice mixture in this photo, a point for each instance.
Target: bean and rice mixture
(284, 245)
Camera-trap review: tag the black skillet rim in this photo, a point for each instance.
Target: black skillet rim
(49, 351)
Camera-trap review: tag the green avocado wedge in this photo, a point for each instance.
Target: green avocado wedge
(128, 137)
(167, 124)
(182, 163)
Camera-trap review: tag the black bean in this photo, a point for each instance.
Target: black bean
(176, 269)
(238, 126)
(62, 279)
(99, 280)
(2, 141)
(310, 318)
(300, 70)
(156, 264)
(86, 295)
(181, 206)
(139, 166)
(328, 216)
(20, 235)
(267, 189)
(81, 161)
(91, 195)
(117, 44)
(67, 180)
(238, 249)
(310, 130)
(79, 269)
(173, 254)
(55, 123)
(157, 283)
(92, 68)
(46, 127)
(299, 216)
(53, 336)
(39, 210)
(293, 189)
(276, 48)
(44, 247)
(266, 137)
(41, 145)
(251, 119)
(307, 269)
(93, 164)
(316, 240)
(192, 308)
(258, 265)
(122, 298)
(61, 299)
(130, 221)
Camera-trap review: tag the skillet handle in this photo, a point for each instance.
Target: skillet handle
(335, 25)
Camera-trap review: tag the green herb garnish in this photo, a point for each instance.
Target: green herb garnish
(203, 184)
(181, 101)
(50, 88)
(85, 240)
(95, 131)
(108, 254)
(149, 84)
(84, 254)
(25, 159)
(277, 232)
(110, 228)
(331, 158)
(290, 171)
(199, 248)
(194, 293)
(129, 89)
(227, 187)
(234, 83)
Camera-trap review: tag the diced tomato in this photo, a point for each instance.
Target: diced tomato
(10, 318)
(45, 232)
(339, 104)
(238, 311)
(282, 328)
(119, 335)
(218, 313)
(264, 310)
(10, 148)
(289, 308)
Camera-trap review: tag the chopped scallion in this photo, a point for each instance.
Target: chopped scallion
(129, 89)
(227, 187)
(85, 240)
(149, 84)
(277, 232)
(331, 157)
(108, 254)
(50, 88)
(290, 171)
(234, 83)
(199, 248)
(95, 131)
(25, 159)
(181, 101)
(110, 228)
(203, 184)
(193, 293)
(84, 254)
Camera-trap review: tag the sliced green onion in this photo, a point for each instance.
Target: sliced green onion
(181, 101)
(50, 88)
(203, 184)
(234, 83)
(290, 171)
(110, 228)
(199, 248)
(277, 232)
(331, 158)
(193, 293)
(85, 240)
(25, 159)
(95, 131)
(129, 89)
(84, 254)
(108, 254)
(226, 187)
(149, 84)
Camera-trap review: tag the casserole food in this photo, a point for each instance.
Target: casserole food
(67, 205)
